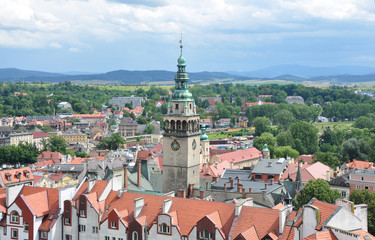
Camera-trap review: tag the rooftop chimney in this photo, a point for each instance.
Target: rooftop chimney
(139, 173)
(225, 186)
(167, 203)
(238, 180)
(243, 193)
(272, 181)
(266, 185)
(231, 182)
(250, 190)
(201, 194)
(138, 205)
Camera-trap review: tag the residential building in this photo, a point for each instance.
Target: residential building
(159, 103)
(242, 121)
(356, 164)
(53, 180)
(320, 220)
(12, 177)
(208, 122)
(245, 158)
(56, 157)
(223, 123)
(341, 184)
(38, 138)
(211, 100)
(305, 159)
(23, 137)
(294, 99)
(259, 102)
(121, 101)
(269, 169)
(308, 172)
(71, 137)
(127, 127)
(64, 105)
(181, 139)
(362, 179)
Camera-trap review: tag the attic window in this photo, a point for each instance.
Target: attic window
(14, 217)
(8, 176)
(205, 235)
(164, 228)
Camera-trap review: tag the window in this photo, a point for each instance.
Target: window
(82, 228)
(67, 221)
(113, 238)
(163, 228)
(366, 187)
(184, 238)
(95, 230)
(107, 238)
(358, 187)
(14, 217)
(205, 235)
(68, 237)
(82, 213)
(43, 235)
(134, 235)
(14, 233)
(25, 227)
(176, 106)
(120, 239)
(343, 193)
(113, 224)
(362, 178)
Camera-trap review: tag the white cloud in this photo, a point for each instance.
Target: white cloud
(41, 23)
(74, 50)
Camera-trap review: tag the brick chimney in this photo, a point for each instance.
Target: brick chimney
(225, 186)
(250, 190)
(181, 193)
(201, 194)
(243, 193)
(191, 187)
(238, 180)
(231, 182)
(272, 181)
(126, 176)
(139, 173)
(266, 185)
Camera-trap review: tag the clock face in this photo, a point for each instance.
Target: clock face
(175, 145)
(194, 144)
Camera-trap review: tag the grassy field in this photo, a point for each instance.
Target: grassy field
(322, 125)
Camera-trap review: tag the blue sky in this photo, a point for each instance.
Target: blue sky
(218, 35)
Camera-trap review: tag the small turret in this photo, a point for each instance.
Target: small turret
(266, 152)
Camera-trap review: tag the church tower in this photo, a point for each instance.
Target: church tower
(181, 139)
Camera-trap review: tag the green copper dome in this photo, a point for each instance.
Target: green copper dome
(204, 136)
(181, 60)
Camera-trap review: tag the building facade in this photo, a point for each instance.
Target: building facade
(181, 140)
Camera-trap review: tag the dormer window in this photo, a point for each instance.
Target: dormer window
(205, 235)
(14, 217)
(8, 176)
(164, 228)
(113, 225)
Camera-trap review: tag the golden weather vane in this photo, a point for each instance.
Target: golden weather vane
(181, 46)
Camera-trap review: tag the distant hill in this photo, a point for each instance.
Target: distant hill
(122, 76)
(9, 74)
(306, 72)
(167, 77)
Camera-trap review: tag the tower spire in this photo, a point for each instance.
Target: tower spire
(181, 46)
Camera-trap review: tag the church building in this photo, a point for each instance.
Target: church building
(181, 140)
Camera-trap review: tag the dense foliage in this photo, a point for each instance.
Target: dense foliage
(319, 189)
(365, 197)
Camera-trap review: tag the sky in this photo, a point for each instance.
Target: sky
(218, 35)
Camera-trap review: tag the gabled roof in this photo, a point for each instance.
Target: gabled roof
(14, 173)
(322, 235)
(241, 155)
(250, 234)
(215, 170)
(265, 220)
(314, 171)
(356, 164)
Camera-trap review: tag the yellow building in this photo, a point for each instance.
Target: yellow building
(53, 180)
(74, 137)
(17, 138)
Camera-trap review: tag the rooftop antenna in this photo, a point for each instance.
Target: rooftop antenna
(181, 46)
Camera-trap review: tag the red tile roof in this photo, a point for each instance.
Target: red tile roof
(157, 149)
(322, 235)
(215, 170)
(55, 156)
(356, 164)
(88, 116)
(40, 135)
(44, 163)
(241, 155)
(78, 160)
(307, 159)
(326, 210)
(13, 175)
(144, 155)
(265, 220)
(250, 234)
(314, 171)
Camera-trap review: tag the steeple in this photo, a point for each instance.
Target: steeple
(181, 79)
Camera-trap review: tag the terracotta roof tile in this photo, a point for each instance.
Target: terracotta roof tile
(14, 178)
(356, 164)
(215, 170)
(307, 159)
(241, 155)
(250, 234)
(322, 235)
(265, 220)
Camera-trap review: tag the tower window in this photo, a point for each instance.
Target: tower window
(176, 106)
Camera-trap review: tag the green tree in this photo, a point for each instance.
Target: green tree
(284, 139)
(265, 138)
(261, 124)
(364, 122)
(113, 142)
(319, 189)
(55, 144)
(285, 151)
(305, 137)
(327, 158)
(149, 129)
(365, 197)
(284, 118)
